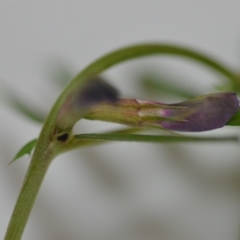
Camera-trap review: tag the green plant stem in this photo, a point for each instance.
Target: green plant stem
(152, 138)
(45, 151)
(27, 196)
(47, 146)
(75, 142)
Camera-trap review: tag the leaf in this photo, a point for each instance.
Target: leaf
(59, 72)
(23, 109)
(157, 83)
(153, 138)
(26, 149)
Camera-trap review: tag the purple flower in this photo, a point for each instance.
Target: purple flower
(202, 113)
(98, 100)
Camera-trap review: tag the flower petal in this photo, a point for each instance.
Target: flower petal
(203, 113)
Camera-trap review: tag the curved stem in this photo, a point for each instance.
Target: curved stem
(47, 147)
(144, 50)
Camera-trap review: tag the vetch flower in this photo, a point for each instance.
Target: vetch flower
(202, 113)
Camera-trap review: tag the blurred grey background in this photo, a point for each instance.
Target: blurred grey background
(116, 191)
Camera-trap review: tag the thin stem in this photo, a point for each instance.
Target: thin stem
(75, 142)
(27, 196)
(44, 153)
(152, 138)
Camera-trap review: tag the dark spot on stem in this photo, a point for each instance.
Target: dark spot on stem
(63, 137)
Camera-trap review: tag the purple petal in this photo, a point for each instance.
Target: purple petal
(203, 113)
